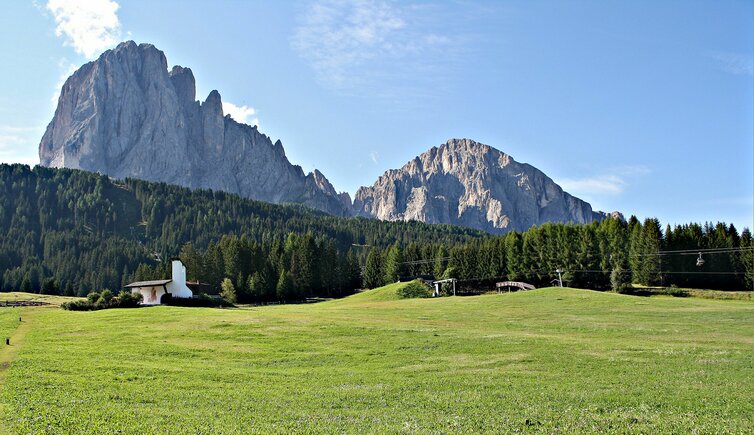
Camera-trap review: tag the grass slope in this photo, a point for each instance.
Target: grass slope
(381, 294)
(549, 360)
(35, 297)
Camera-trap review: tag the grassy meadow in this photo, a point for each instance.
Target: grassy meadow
(548, 360)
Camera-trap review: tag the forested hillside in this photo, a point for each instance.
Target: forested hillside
(71, 232)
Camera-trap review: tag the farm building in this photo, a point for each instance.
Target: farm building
(152, 291)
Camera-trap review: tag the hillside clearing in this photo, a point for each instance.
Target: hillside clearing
(548, 360)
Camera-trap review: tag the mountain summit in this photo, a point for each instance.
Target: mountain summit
(467, 183)
(126, 115)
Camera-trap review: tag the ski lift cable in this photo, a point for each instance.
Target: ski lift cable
(545, 271)
(697, 251)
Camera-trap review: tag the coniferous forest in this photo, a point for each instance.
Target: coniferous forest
(70, 232)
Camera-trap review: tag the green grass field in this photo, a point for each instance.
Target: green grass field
(549, 360)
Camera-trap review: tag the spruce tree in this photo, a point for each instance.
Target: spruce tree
(393, 265)
(513, 245)
(256, 287)
(285, 286)
(747, 259)
(440, 261)
(650, 243)
(353, 271)
(373, 276)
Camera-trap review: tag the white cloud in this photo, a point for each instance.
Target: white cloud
(599, 185)
(374, 156)
(353, 44)
(19, 144)
(89, 26)
(734, 63)
(242, 114)
(612, 183)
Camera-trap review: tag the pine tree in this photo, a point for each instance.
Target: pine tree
(393, 265)
(191, 258)
(306, 276)
(650, 242)
(256, 287)
(617, 251)
(285, 287)
(747, 259)
(268, 283)
(635, 251)
(440, 261)
(513, 252)
(373, 276)
(330, 270)
(228, 291)
(353, 271)
(231, 254)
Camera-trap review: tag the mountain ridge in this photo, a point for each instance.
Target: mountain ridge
(464, 182)
(126, 115)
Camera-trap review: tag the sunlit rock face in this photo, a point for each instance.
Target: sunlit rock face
(467, 183)
(126, 115)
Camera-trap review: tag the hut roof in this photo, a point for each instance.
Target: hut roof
(155, 283)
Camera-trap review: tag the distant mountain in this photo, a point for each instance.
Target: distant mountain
(466, 183)
(126, 115)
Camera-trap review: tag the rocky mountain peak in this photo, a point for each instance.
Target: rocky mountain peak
(184, 84)
(463, 182)
(214, 103)
(126, 115)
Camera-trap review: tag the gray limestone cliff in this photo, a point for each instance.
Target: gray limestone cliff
(466, 183)
(126, 115)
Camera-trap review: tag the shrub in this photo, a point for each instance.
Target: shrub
(415, 289)
(78, 306)
(200, 300)
(128, 299)
(676, 292)
(105, 298)
(125, 299)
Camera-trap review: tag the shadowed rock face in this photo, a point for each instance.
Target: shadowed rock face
(463, 182)
(125, 115)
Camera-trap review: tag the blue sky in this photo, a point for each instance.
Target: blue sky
(644, 107)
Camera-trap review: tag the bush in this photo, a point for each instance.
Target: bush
(127, 299)
(200, 300)
(78, 306)
(676, 292)
(96, 301)
(105, 298)
(415, 289)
